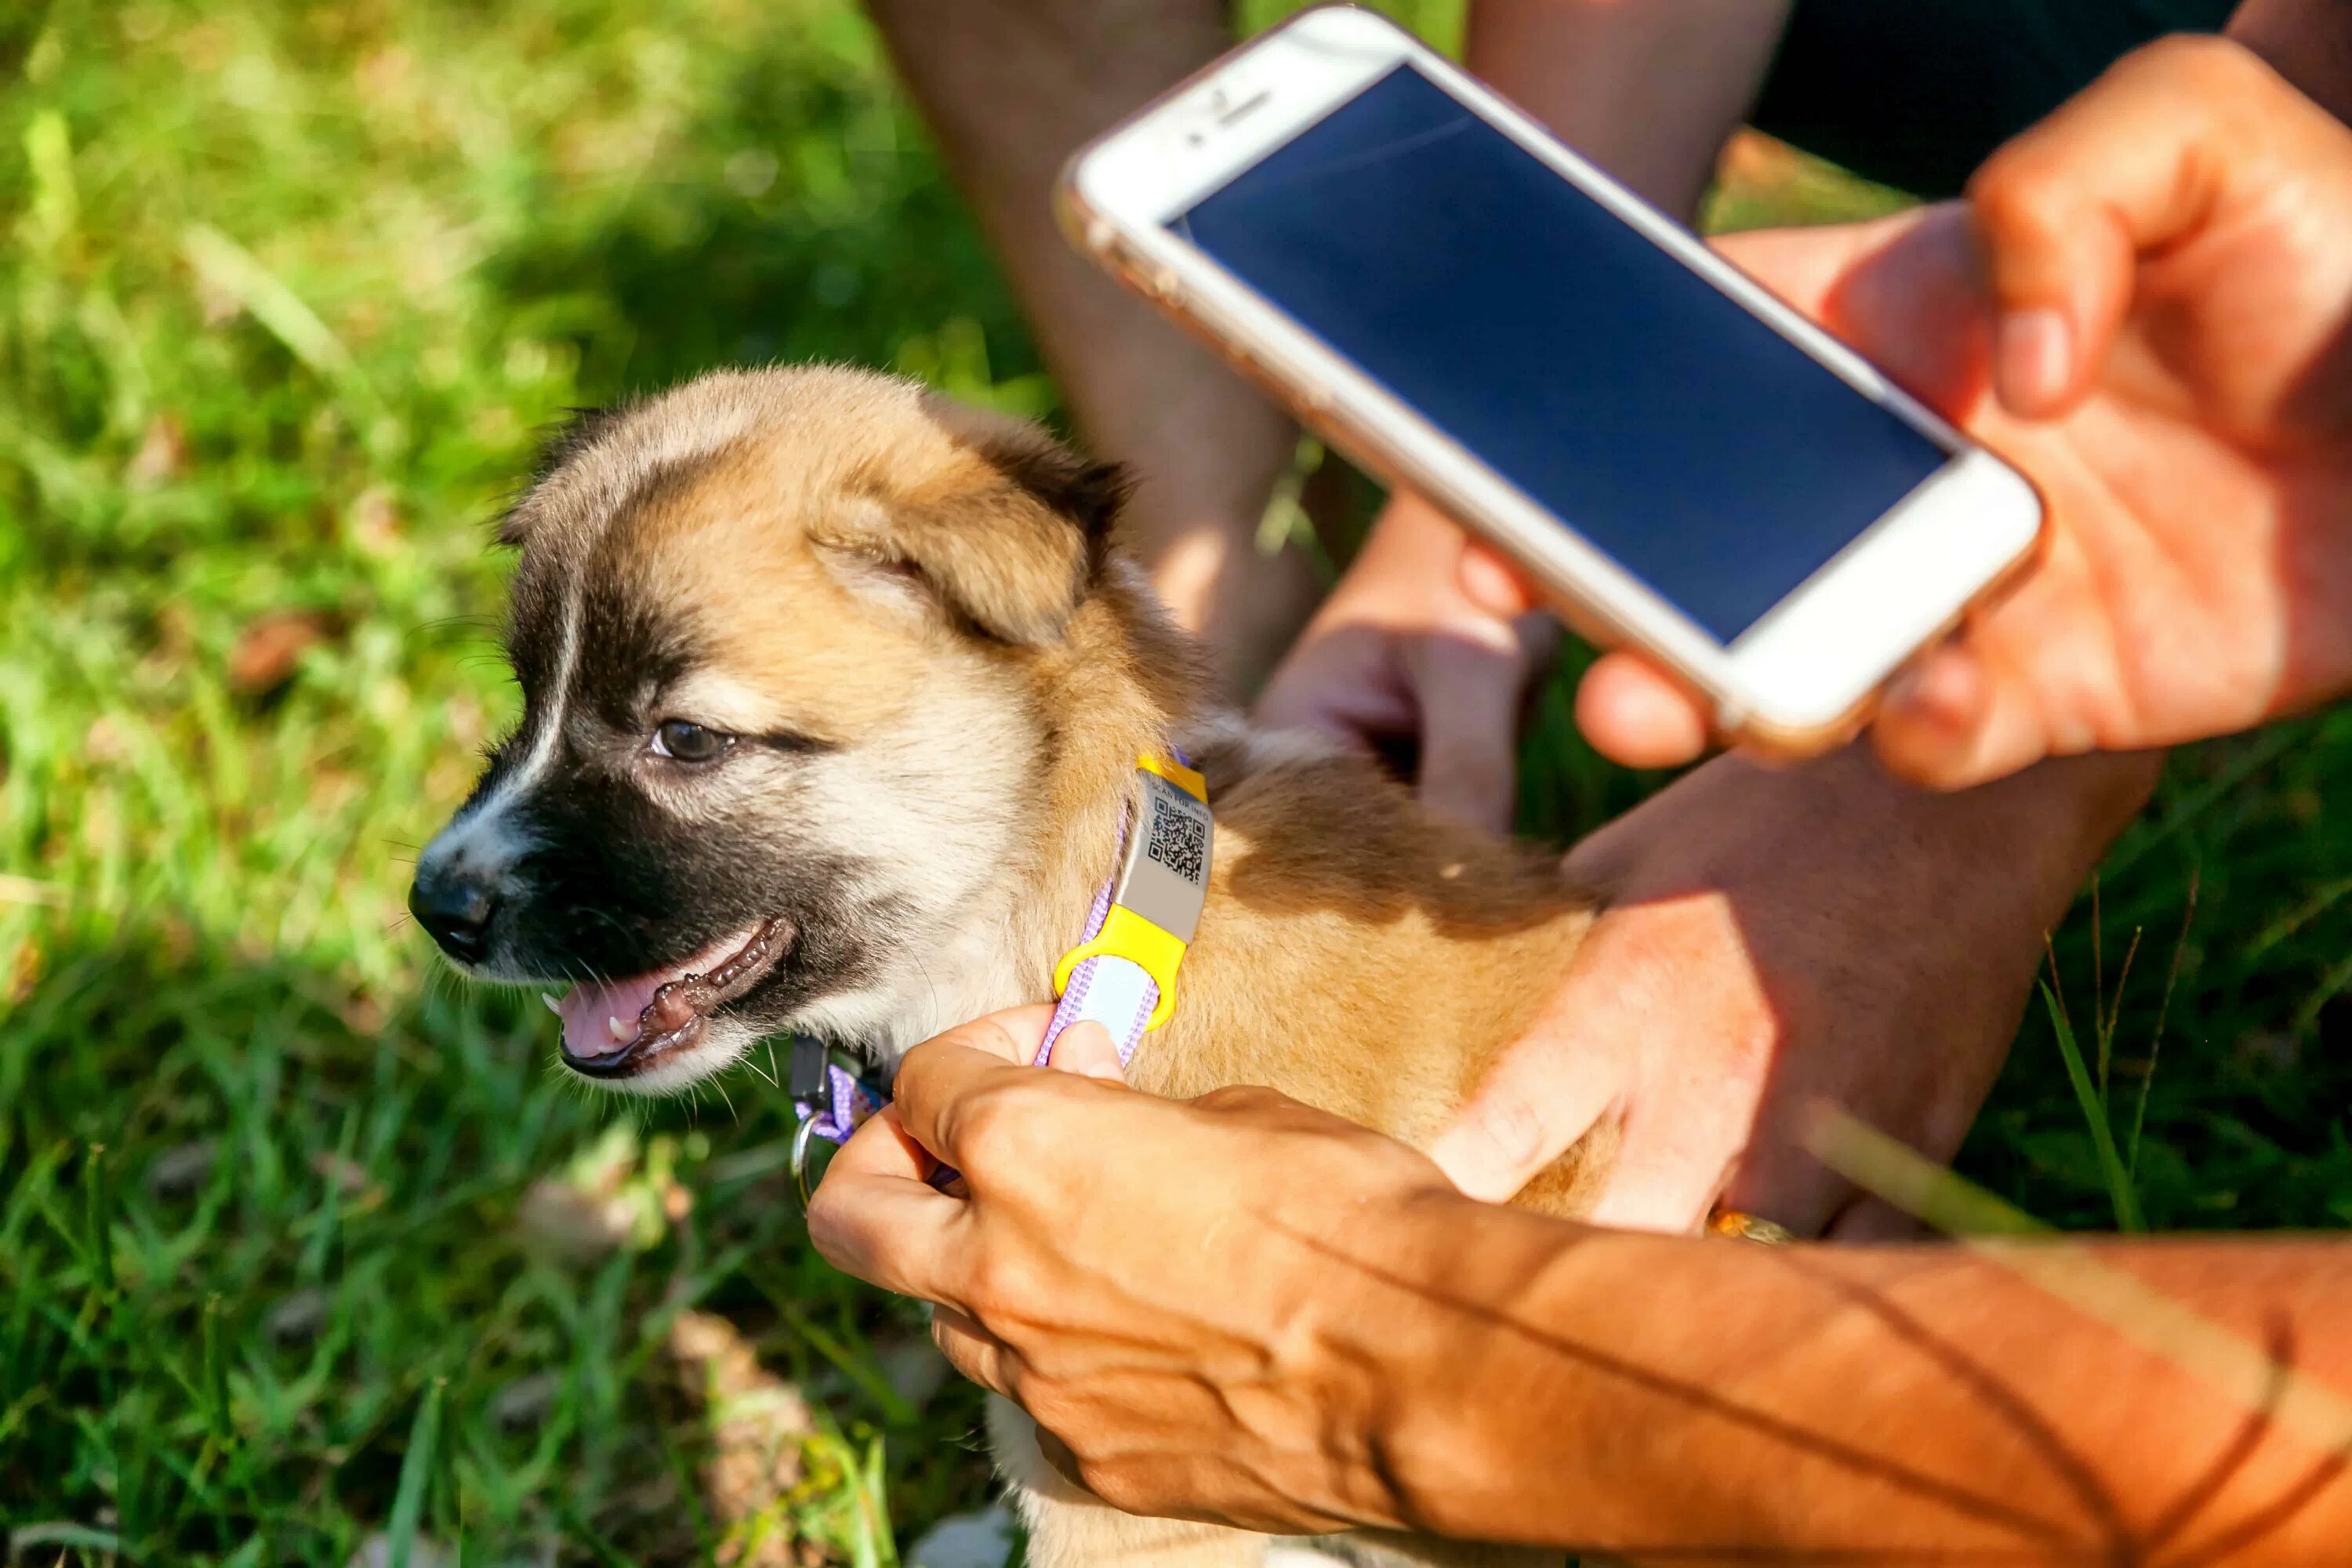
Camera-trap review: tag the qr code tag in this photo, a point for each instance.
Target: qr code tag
(1179, 840)
(1164, 875)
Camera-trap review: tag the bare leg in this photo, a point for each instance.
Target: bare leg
(1650, 92)
(1012, 87)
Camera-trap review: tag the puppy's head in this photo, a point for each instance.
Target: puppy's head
(777, 635)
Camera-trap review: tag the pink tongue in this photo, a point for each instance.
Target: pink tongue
(584, 1009)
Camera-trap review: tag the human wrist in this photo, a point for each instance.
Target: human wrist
(2049, 823)
(1461, 1375)
(2063, 813)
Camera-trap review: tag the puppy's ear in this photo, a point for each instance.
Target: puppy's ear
(581, 430)
(1089, 494)
(1010, 537)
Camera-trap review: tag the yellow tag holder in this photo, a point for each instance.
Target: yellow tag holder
(1170, 886)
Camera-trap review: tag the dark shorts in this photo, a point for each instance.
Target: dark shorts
(1915, 93)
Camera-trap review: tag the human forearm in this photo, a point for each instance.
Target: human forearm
(1307, 1329)
(1647, 89)
(1881, 1404)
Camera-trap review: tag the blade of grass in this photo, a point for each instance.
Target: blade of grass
(2115, 1011)
(416, 1474)
(2163, 1016)
(215, 1370)
(2099, 985)
(2103, 1137)
(98, 1217)
(236, 272)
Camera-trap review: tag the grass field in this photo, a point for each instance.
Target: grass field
(301, 1248)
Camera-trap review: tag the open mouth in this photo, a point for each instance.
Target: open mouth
(617, 1028)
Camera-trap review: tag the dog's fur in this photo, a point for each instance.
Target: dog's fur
(941, 674)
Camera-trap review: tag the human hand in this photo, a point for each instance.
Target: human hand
(1398, 650)
(1165, 1286)
(1774, 938)
(2154, 335)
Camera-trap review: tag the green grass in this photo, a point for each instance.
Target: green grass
(285, 293)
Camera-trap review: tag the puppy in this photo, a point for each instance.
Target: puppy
(833, 693)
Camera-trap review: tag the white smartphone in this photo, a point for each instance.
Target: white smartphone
(1468, 308)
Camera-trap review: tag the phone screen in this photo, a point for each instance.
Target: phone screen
(1621, 391)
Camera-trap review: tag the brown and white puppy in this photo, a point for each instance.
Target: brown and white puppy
(832, 698)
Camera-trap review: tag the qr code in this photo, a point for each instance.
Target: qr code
(1179, 841)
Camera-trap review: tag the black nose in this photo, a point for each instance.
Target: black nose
(455, 908)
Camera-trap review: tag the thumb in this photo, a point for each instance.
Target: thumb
(1541, 1096)
(2134, 163)
(1086, 1049)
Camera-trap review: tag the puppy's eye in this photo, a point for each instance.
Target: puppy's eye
(683, 741)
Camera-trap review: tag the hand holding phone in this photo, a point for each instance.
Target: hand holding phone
(2154, 273)
(1468, 308)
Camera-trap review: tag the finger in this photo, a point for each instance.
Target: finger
(946, 1086)
(1636, 715)
(1086, 1049)
(1535, 1102)
(2129, 165)
(1906, 291)
(873, 1216)
(1470, 699)
(1015, 1035)
(1491, 581)
(1667, 1181)
(1805, 268)
(1965, 716)
(1927, 724)
(1348, 693)
(972, 1350)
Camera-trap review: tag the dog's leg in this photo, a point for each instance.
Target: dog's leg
(1068, 1529)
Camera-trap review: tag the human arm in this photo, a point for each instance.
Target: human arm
(1650, 91)
(1237, 1308)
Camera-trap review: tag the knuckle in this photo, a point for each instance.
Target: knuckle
(2203, 59)
(1000, 1286)
(997, 1125)
(2010, 194)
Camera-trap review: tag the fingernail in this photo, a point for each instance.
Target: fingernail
(2034, 358)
